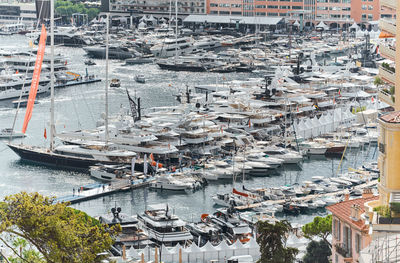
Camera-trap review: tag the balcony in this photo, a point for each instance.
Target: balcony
(386, 97)
(389, 3)
(343, 250)
(387, 52)
(387, 75)
(388, 26)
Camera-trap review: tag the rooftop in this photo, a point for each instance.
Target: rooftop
(342, 210)
(393, 117)
(248, 20)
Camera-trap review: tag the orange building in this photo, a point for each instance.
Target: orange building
(349, 228)
(337, 12)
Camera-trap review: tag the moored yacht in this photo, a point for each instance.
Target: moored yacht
(163, 226)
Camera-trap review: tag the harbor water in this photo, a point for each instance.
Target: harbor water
(80, 107)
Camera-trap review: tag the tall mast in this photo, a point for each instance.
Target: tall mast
(176, 29)
(170, 15)
(52, 128)
(106, 88)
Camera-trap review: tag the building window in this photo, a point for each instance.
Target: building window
(358, 243)
(347, 239)
(364, 7)
(370, 7)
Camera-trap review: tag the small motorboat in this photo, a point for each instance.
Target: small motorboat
(22, 103)
(89, 62)
(8, 132)
(115, 83)
(140, 78)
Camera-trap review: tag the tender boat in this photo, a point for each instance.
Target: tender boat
(7, 133)
(115, 83)
(140, 78)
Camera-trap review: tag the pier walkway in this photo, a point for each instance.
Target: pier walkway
(93, 191)
(307, 197)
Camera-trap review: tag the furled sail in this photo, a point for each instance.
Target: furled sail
(35, 78)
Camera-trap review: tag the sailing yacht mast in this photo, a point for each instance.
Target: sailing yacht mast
(176, 29)
(106, 88)
(52, 127)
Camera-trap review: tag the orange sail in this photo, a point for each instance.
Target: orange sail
(35, 78)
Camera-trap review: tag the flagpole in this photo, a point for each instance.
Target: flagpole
(52, 127)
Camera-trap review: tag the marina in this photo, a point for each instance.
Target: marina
(195, 139)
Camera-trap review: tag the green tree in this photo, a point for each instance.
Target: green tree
(23, 253)
(317, 252)
(67, 8)
(59, 233)
(320, 227)
(272, 240)
(378, 81)
(92, 13)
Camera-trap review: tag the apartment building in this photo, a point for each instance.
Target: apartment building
(349, 229)
(331, 11)
(185, 7)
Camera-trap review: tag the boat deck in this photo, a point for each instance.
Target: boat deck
(308, 197)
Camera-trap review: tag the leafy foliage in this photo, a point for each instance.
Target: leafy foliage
(383, 210)
(58, 232)
(272, 241)
(67, 8)
(320, 227)
(317, 252)
(378, 81)
(25, 254)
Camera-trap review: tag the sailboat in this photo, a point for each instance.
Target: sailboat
(71, 156)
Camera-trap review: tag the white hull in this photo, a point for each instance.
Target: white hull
(102, 175)
(170, 186)
(316, 151)
(220, 202)
(15, 93)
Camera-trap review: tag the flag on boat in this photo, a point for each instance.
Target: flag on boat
(133, 106)
(152, 157)
(45, 134)
(35, 78)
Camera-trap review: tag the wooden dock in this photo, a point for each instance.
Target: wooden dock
(93, 191)
(307, 197)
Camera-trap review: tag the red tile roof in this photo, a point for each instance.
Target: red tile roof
(342, 210)
(393, 117)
